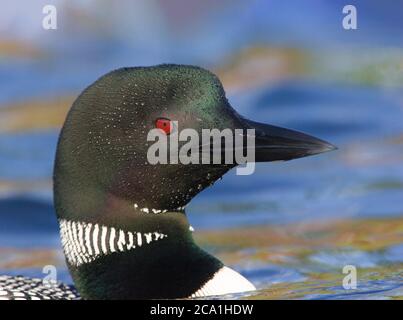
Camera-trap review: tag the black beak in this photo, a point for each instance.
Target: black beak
(275, 143)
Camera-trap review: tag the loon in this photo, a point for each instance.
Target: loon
(123, 224)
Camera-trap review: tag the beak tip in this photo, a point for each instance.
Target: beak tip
(276, 143)
(325, 147)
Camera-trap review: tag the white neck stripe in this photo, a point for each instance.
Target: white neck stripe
(95, 239)
(156, 211)
(84, 242)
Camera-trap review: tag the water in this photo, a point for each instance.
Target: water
(359, 187)
(292, 226)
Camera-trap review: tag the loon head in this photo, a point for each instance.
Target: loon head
(123, 224)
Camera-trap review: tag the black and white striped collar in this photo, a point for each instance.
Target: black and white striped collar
(85, 242)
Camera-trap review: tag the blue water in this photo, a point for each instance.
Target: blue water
(361, 181)
(363, 178)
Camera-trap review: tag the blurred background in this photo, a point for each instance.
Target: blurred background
(290, 227)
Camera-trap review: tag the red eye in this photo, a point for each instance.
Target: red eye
(164, 124)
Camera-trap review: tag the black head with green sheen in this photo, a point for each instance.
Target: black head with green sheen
(102, 175)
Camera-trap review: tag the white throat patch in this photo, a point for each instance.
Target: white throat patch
(224, 281)
(84, 242)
